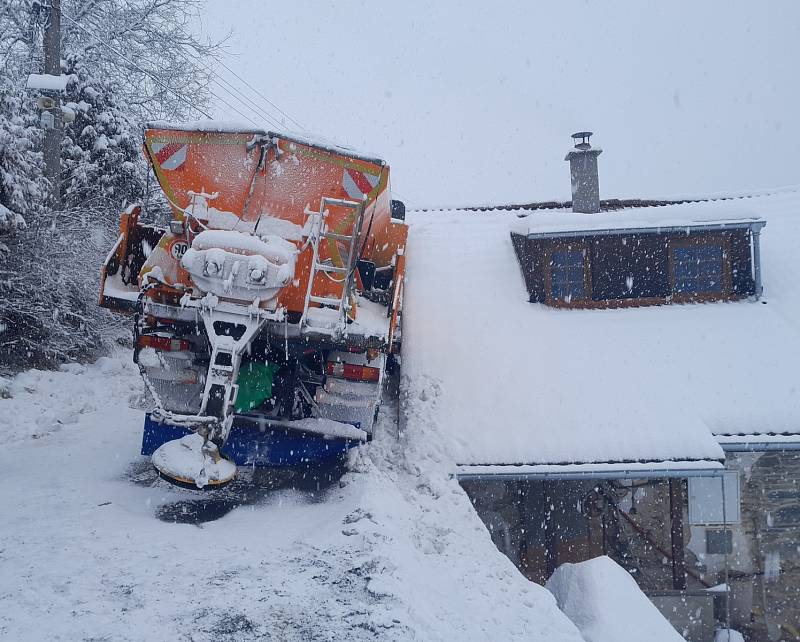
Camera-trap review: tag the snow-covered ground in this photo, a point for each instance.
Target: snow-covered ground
(93, 546)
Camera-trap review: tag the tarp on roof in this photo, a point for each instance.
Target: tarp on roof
(525, 384)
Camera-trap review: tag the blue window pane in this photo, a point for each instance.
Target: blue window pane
(698, 269)
(567, 274)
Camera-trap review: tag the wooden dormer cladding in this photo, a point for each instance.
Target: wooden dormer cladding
(626, 268)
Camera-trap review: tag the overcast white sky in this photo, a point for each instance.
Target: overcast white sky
(474, 102)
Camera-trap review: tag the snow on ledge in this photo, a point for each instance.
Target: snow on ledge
(636, 470)
(48, 82)
(758, 442)
(328, 428)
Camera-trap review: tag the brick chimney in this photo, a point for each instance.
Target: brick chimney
(583, 172)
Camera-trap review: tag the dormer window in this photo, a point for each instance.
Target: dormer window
(568, 274)
(623, 267)
(698, 269)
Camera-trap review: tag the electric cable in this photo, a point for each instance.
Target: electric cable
(155, 79)
(234, 92)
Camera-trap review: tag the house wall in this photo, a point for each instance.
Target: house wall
(540, 525)
(764, 563)
(631, 269)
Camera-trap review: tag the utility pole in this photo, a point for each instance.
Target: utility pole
(52, 136)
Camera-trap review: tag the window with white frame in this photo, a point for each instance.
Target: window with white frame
(706, 499)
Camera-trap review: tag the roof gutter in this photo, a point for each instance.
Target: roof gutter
(759, 446)
(574, 475)
(754, 225)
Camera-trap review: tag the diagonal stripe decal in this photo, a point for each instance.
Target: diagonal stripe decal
(360, 180)
(175, 159)
(169, 155)
(358, 184)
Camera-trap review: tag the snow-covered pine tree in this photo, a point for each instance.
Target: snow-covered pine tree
(22, 185)
(49, 267)
(101, 159)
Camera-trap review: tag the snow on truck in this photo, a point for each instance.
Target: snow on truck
(265, 314)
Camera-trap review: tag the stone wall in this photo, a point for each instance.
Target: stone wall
(542, 524)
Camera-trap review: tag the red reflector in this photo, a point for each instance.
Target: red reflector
(162, 343)
(351, 372)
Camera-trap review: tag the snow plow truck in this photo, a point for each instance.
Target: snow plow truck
(266, 311)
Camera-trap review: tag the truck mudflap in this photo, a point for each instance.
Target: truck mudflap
(262, 443)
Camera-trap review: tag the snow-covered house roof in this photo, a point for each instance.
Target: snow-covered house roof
(526, 389)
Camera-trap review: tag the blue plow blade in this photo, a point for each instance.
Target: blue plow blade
(251, 444)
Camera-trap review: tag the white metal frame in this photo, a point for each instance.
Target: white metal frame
(318, 230)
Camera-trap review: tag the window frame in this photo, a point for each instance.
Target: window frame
(698, 511)
(548, 275)
(716, 240)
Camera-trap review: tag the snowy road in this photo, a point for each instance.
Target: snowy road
(92, 545)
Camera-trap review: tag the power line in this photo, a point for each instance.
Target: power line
(262, 95)
(251, 107)
(234, 92)
(253, 89)
(154, 78)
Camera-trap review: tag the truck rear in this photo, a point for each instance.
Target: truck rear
(264, 315)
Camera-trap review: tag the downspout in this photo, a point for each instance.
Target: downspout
(759, 288)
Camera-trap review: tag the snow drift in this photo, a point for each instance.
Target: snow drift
(606, 604)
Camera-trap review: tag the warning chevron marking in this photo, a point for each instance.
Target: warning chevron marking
(170, 156)
(358, 184)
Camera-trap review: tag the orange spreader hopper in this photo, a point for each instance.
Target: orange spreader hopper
(259, 181)
(261, 176)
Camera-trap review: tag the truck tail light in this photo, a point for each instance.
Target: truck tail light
(351, 372)
(163, 343)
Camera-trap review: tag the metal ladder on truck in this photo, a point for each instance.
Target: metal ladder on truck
(345, 274)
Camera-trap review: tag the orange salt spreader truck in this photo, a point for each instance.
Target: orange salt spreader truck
(266, 312)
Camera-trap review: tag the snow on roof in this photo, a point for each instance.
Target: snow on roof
(234, 127)
(315, 140)
(526, 384)
(213, 126)
(48, 82)
(688, 215)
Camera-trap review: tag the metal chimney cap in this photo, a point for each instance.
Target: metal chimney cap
(584, 136)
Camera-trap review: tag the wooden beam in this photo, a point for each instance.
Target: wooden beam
(676, 534)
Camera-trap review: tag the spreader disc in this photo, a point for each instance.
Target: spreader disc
(183, 460)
